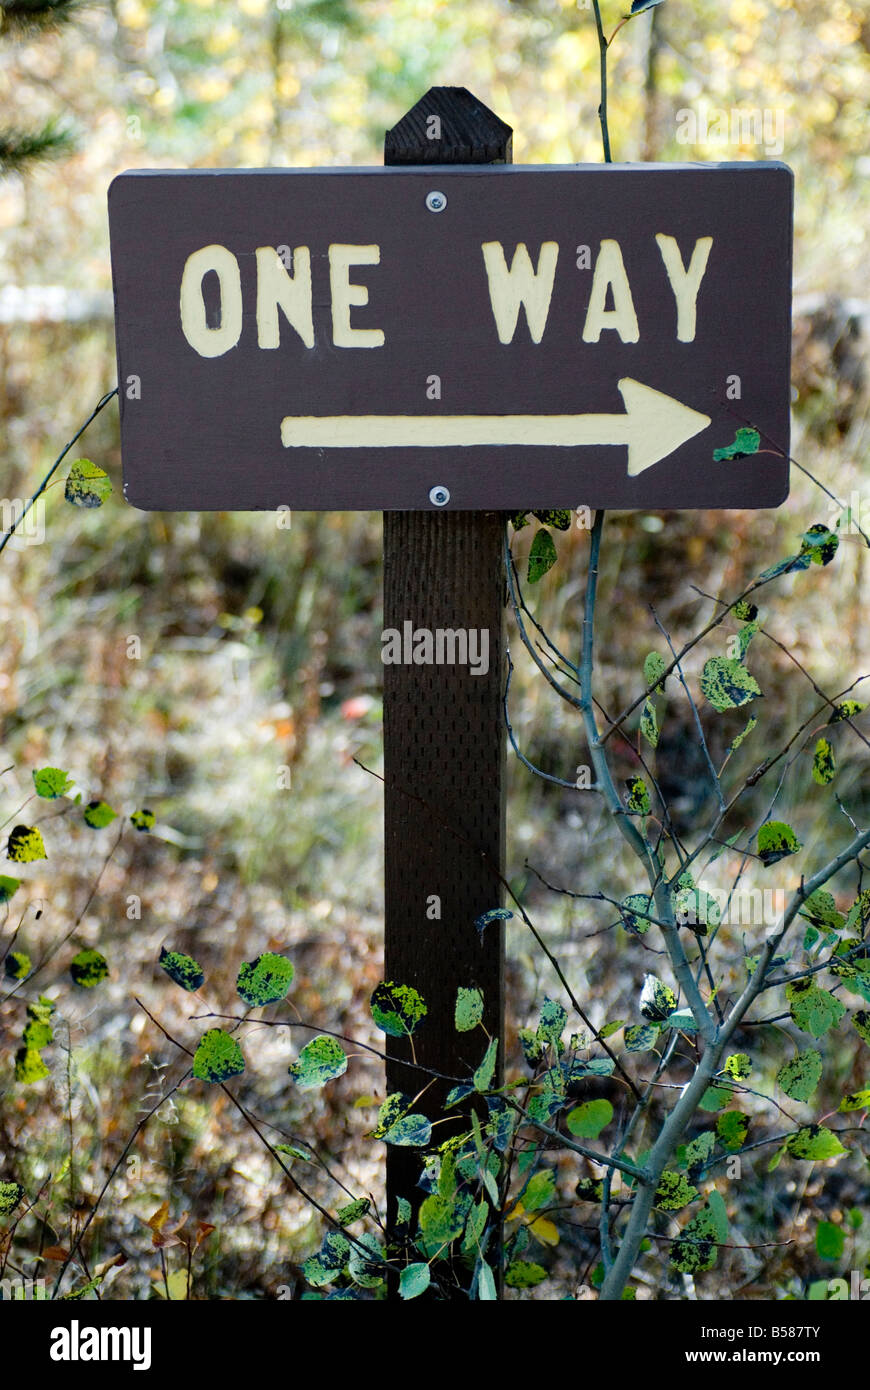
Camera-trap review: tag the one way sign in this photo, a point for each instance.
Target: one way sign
(477, 337)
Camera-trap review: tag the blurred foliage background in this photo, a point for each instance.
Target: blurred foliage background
(260, 646)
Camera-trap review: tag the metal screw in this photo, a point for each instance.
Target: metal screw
(439, 496)
(435, 201)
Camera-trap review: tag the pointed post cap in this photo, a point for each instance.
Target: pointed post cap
(449, 126)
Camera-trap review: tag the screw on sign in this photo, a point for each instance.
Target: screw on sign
(444, 349)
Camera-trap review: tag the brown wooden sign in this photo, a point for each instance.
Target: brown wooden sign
(473, 337)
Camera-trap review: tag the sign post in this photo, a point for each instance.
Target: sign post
(444, 736)
(445, 339)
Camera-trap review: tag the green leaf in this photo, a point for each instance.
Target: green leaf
(98, 814)
(540, 1190)
(495, 914)
(820, 544)
(718, 1211)
(87, 484)
(37, 1033)
(746, 441)
(367, 1270)
(638, 796)
(814, 1142)
(319, 1274)
(683, 1019)
(696, 1249)
(483, 1076)
(657, 1000)
(321, 1060)
(821, 910)
(861, 1024)
(8, 886)
(830, 1241)
(695, 908)
(776, 841)
(41, 1010)
(295, 1151)
(414, 1280)
(143, 820)
(403, 1211)
(698, 1153)
(814, 1010)
(532, 1045)
(649, 724)
(266, 979)
(542, 556)
(824, 763)
(442, 1220)
(744, 611)
(654, 667)
(641, 1038)
(518, 520)
(791, 562)
(674, 1192)
(560, 518)
(732, 1128)
(738, 739)
(588, 1190)
(217, 1057)
(88, 968)
(29, 1066)
(744, 637)
(856, 1100)
(354, 1211)
(726, 683)
(523, 1274)
(18, 965)
(553, 1020)
(859, 913)
(486, 1284)
(469, 1009)
(609, 1029)
(714, 1098)
(183, 969)
(51, 783)
(475, 1226)
(26, 844)
(410, 1132)
(635, 911)
(846, 709)
(11, 1193)
(738, 1066)
(800, 1077)
(397, 1009)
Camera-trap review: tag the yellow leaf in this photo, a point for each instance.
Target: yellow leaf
(544, 1231)
(159, 1219)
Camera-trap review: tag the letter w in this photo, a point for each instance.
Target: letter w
(508, 289)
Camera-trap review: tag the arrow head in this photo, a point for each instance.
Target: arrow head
(656, 425)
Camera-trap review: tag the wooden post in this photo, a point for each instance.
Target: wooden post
(444, 738)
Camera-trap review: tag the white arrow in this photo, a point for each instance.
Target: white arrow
(653, 426)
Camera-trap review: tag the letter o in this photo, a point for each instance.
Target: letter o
(211, 342)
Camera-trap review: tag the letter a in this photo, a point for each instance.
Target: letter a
(610, 273)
